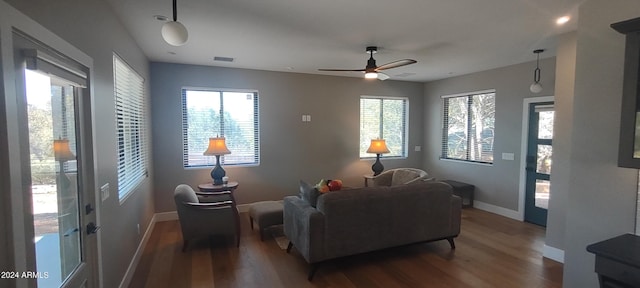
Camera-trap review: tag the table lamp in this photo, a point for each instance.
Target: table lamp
(217, 147)
(62, 154)
(378, 146)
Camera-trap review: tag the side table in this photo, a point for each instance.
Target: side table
(464, 190)
(210, 190)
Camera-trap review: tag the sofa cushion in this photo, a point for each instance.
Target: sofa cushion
(401, 176)
(309, 193)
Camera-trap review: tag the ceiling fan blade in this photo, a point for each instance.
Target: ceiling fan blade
(342, 70)
(395, 64)
(382, 76)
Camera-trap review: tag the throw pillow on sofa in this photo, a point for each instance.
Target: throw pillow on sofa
(309, 193)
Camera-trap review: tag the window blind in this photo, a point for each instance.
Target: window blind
(208, 113)
(130, 127)
(384, 118)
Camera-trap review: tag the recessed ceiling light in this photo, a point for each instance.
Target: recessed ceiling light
(562, 20)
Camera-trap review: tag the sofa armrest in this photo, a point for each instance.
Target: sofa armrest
(456, 214)
(304, 227)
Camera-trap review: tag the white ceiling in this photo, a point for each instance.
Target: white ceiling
(446, 37)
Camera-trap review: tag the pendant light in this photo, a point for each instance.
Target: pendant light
(536, 87)
(174, 32)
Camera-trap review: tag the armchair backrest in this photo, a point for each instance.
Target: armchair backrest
(399, 176)
(184, 194)
(407, 175)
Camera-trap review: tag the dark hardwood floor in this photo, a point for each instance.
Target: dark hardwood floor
(491, 251)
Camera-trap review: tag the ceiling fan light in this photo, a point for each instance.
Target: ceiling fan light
(174, 33)
(371, 75)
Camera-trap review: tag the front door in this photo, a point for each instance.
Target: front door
(538, 162)
(54, 94)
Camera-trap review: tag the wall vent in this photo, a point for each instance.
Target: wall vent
(223, 59)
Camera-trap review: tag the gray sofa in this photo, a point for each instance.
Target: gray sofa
(354, 221)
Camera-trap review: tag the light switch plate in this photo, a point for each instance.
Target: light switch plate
(508, 156)
(418, 148)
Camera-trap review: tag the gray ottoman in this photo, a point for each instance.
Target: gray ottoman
(265, 214)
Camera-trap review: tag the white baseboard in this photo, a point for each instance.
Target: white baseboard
(497, 210)
(553, 253)
(126, 280)
(166, 216)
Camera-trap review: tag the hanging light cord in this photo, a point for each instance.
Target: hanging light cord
(175, 10)
(536, 72)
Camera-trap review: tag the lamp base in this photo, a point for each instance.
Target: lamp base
(377, 167)
(217, 172)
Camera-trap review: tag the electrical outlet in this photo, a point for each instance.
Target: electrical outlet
(104, 191)
(418, 148)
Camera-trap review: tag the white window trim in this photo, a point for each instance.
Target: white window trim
(464, 94)
(406, 128)
(257, 115)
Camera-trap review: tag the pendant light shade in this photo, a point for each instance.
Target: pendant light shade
(173, 32)
(536, 87)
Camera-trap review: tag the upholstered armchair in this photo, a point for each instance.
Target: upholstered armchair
(199, 219)
(398, 176)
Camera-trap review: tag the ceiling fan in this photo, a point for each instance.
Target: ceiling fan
(373, 71)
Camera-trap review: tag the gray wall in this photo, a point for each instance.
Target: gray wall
(565, 82)
(497, 184)
(602, 197)
(93, 28)
(290, 150)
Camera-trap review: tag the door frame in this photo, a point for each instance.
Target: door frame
(21, 254)
(523, 149)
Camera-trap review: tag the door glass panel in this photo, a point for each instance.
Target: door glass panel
(542, 193)
(545, 125)
(544, 159)
(54, 176)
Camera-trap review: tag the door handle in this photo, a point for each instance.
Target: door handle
(71, 231)
(92, 228)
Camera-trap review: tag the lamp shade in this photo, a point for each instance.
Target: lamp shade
(175, 33)
(217, 146)
(61, 150)
(378, 146)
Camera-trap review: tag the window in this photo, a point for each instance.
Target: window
(130, 126)
(384, 118)
(468, 126)
(229, 114)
